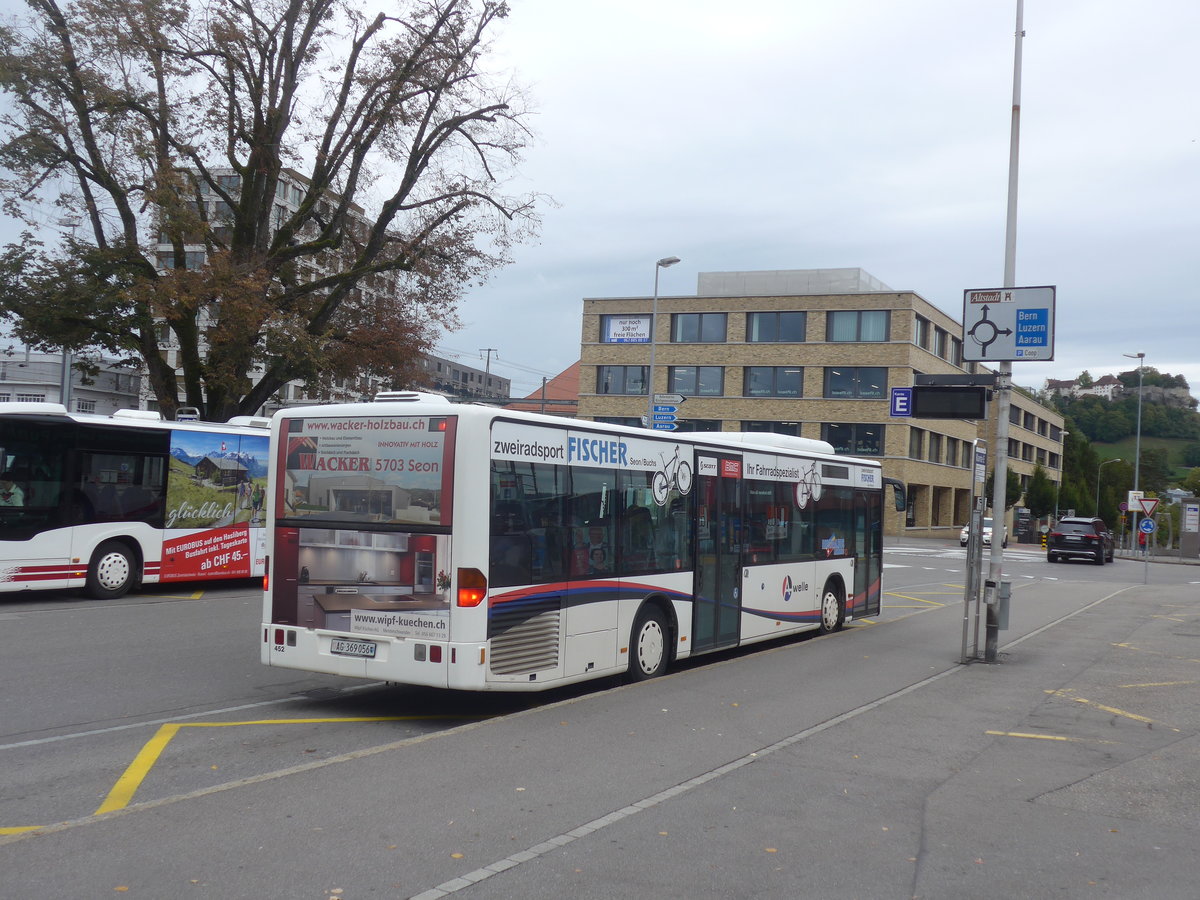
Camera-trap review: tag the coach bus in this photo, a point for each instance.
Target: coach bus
(107, 503)
(417, 541)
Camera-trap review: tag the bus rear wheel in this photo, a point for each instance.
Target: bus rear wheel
(648, 647)
(833, 609)
(111, 571)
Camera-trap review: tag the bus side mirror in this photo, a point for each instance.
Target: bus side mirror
(898, 494)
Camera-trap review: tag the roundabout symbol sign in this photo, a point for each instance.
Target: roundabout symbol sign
(1014, 323)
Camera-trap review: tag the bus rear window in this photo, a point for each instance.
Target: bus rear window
(390, 470)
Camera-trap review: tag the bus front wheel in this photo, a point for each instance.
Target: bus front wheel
(648, 647)
(111, 571)
(833, 609)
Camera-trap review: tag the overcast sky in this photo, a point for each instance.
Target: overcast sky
(794, 134)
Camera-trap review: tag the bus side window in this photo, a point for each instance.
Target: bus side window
(511, 546)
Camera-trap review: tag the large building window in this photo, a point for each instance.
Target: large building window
(621, 379)
(855, 382)
(941, 343)
(774, 381)
(916, 443)
(698, 328)
(861, 439)
(764, 427)
(852, 325)
(775, 327)
(698, 425)
(702, 381)
(921, 337)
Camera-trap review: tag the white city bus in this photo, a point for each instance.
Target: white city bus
(107, 503)
(421, 542)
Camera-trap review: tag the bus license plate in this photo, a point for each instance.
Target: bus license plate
(343, 647)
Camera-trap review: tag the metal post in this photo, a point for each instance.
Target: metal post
(64, 392)
(661, 264)
(1004, 381)
(1137, 446)
(974, 546)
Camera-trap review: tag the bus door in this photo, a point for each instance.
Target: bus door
(717, 603)
(868, 553)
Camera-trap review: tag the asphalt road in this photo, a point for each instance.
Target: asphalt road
(864, 764)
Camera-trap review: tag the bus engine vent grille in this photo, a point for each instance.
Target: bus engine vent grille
(525, 638)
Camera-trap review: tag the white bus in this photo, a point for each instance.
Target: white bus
(107, 503)
(458, 546)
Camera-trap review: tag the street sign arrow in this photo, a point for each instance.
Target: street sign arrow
(666, 409)
(669, 398)
(665, 426)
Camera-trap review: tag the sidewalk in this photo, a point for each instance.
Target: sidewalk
(1164, 556)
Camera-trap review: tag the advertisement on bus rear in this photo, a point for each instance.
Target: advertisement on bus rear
(377, 469)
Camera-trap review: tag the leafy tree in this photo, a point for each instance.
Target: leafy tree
(1012, 488)
(1085, 379)
(1039, 498)
(1191, 455)
(1155, 470)
(250, 138)
(1113, 425)
(1192, 481)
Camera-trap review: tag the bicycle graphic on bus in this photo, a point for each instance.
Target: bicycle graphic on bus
(676, 473)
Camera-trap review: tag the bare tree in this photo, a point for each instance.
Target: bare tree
(251, 137)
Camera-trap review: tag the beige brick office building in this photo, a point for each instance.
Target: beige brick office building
(812, 353)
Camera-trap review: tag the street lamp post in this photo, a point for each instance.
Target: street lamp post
(1096, 510)
(663, 263)
(1137, 441)
(1137, 448)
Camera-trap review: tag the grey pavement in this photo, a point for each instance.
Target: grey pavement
(867, 764)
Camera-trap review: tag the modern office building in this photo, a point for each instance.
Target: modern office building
(812, 353)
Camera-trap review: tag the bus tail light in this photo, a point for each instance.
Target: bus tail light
(267, 575)
(472, 587)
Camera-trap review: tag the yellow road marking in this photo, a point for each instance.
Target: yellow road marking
(122, 792)
(131, 779)
(1159, 684)
(1041, 737)
(19, 829)
(1126, 646)
(914, 599)
(1108, 709)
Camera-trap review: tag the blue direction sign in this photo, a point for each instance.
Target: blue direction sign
(663, 417)
(1147, 526)
(666, 409)
(664, 426)
(902, 401)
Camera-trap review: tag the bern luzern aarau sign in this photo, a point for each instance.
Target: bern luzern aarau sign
(1008, 324)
